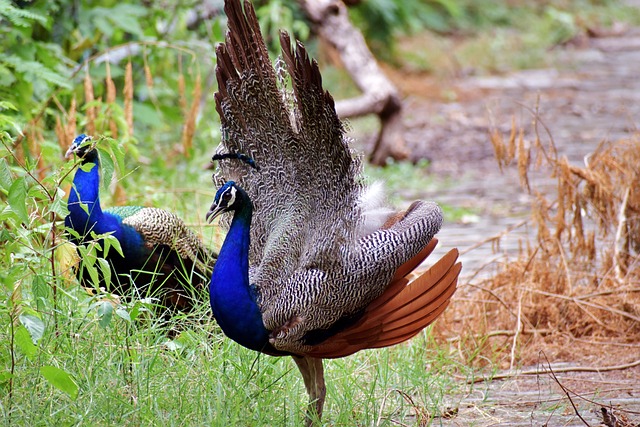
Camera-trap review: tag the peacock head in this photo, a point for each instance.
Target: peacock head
(229, 198)
(80, 146)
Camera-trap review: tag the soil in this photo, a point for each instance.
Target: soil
(591, 95)
(539, 400)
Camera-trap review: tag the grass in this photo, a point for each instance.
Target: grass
(132, 374)
(128, 372)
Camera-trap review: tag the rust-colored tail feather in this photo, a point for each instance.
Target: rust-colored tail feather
(401, 279)
(401, 311)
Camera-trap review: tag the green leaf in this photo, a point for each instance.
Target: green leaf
(5, 376)
(38, 192)
(59, 206)
(123, 314)
(88, 251)
(6, 105)
(110, 241)
(7, 121)
(24, 342)
(108, 168)
(18, 198)
(119, 154)
(35, 71)
(5, 175)
(34, 325)
(127, 18)
(85, 207)
(40, 290)
(105, 312)
(86, 167)
(106, 271)
(88, 257)
(61, 380)
(135, 311)
(19, 16)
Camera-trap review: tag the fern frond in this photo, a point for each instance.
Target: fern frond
(19, 17)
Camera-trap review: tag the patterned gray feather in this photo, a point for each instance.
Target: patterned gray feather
(160, 227)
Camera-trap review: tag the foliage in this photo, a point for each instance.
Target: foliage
(276, 15)
(490, 31)
(60, 74)
(382, 20)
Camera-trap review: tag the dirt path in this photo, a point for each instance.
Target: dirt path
(593, 94)
(539, 400)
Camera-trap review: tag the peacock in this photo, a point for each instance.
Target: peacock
(313, 265)
(161, 257)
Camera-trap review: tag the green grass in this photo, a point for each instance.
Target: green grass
(130, 373)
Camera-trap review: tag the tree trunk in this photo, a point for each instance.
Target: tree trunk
(379, 95)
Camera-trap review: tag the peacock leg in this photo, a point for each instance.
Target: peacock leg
(313, 375)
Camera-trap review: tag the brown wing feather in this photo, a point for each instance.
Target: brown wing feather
(408, 267)
(398, 314)
(400, 279)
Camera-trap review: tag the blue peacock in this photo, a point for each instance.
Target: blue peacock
(314, 265)
(161, 257)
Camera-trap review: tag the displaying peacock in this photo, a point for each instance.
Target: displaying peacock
(312, 266)
(161, 257)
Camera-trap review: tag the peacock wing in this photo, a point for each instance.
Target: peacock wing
(328, 172)
(316, 304)
(305, 192)
(255, 122)
(160, 227)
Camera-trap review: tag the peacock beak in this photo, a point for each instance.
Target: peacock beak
(214, 211)
(69, 153)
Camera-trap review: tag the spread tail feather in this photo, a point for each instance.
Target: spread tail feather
(401, 311)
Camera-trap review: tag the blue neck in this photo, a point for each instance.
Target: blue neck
(233, 300)
(85, 191)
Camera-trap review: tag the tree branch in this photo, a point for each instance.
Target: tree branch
(379, 95)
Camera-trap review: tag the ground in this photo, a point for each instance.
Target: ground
(593, 94)
(539, 400)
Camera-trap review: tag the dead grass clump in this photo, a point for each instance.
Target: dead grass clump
(577, 283)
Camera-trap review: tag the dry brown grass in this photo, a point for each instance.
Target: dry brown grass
(128, 96)
(190, 116)
(576, 285)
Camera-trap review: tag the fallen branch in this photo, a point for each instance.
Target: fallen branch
(565, 391)
(379, 96)
(514, 374)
